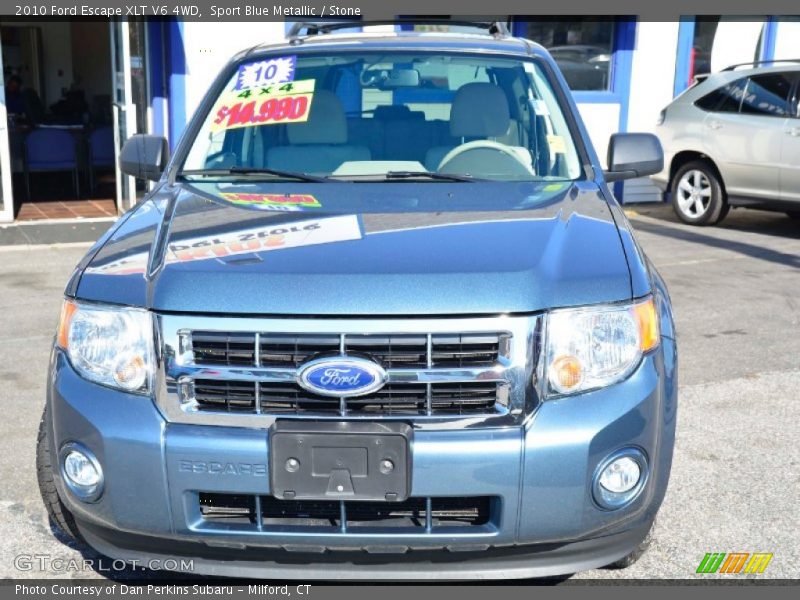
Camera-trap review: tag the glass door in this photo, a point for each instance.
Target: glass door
(6, 198)
(130, 98)
(123, 114)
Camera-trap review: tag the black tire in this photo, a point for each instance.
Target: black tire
(793, 214)
(726, 208)
(58, 513)
(637, 553)
(715, 208)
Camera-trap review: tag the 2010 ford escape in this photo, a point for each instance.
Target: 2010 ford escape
(380, 318)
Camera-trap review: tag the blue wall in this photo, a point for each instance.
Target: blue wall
(156, 51)
(176, 80)
(683, 59)
(769, 38)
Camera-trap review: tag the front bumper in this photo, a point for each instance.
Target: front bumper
(511, 562)
(544, 523)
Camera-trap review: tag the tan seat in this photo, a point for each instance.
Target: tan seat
(320, 144)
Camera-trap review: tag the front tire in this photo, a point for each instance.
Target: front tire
(56, 511)
(698, 197)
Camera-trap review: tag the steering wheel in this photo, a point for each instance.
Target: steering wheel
(485, 145)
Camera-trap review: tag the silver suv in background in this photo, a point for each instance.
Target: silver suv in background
(733, 140)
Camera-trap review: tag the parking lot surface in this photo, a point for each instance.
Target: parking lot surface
(736, 476)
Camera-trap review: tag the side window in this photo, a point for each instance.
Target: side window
(768, 95)
(724, 99)
(794, 103)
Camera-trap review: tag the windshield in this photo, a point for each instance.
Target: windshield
(385, 117)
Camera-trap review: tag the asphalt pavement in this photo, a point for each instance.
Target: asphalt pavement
(735, 481)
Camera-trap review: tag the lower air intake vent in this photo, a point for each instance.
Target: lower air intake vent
(265, 512)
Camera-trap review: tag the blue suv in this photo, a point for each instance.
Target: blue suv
(379, 318)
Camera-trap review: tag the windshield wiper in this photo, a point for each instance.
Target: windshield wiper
(257, 171)
(430, 175)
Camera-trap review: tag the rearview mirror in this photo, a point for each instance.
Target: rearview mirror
(388, 79)
(632, 155)
(144, 156)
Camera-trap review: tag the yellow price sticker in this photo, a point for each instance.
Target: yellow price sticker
(271, 105)
(556, 143)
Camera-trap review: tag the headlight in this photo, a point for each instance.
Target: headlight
(109, 345)
(592, 347)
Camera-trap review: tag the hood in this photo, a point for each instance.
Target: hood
(363, 248)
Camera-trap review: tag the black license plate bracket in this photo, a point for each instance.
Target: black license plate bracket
(340, 460)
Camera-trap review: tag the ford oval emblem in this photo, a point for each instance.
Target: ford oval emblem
(341, 376)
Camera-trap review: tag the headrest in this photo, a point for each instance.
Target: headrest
(326, 123)
(479, 110)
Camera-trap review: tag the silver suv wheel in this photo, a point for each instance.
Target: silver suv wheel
(698, 197)
(694, 193)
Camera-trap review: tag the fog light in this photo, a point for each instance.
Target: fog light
(620, 478)
(80, 469)
(620, 475)
(81, 472)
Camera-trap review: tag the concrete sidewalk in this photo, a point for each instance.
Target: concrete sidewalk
(37, 233)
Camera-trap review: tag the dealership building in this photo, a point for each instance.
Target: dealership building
(149, 77)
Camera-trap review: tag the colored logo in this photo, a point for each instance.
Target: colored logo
(341, 377)
(734, 562)
(278, 202)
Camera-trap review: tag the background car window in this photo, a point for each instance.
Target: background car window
(581, 47)
(724, 99)
(767, 95)
(794, 100)
(794, 103)
(711, 31)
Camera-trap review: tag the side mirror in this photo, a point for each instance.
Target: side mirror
(144, 156)
(632, 155)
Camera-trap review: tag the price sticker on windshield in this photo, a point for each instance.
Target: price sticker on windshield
(265, 72)
(276, 202)
(269, 105)
(556, 143)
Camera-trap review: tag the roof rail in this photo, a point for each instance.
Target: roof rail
(497, 29)
(755, 63)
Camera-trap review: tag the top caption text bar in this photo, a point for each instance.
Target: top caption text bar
(246, 10)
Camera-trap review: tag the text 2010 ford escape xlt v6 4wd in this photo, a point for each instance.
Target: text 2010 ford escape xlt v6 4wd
(380, 318)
